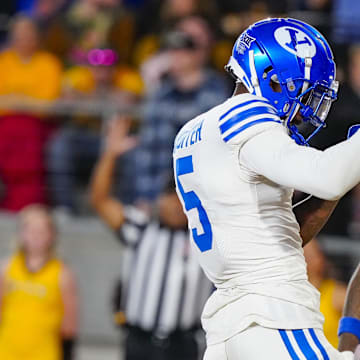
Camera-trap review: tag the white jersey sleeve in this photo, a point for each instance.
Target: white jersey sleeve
(325, 174)
(244, 116)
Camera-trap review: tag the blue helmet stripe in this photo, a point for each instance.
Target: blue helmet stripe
(249, 124)
(259, 110)
(240, 106)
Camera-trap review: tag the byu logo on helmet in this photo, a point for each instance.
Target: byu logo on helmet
(295, 41)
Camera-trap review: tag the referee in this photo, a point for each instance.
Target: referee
(163, 287)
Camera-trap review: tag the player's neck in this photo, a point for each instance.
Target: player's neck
(239, 89)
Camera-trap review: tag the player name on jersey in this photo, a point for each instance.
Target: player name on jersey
(189, 137)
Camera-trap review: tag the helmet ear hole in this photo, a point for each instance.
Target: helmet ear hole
(273, 81)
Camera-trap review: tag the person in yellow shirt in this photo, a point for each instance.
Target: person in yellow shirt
(25, 70)
(27, 74)
(38, 295)
(90, 81)
(332, 292)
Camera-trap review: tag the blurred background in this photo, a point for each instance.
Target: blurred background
(69, 69)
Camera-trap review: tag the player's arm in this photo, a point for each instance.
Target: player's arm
(312, 215)
(327, 174)
(117, 143)
(69, 327)
(350, 338)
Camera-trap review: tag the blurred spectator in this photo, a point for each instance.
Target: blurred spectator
(189, 89)
(23, 63)
(332, 292)
(158, 17)
(314, 12)
(238, 15)
(38, 295)
(164, 289)
(346, 21)
(216, 52)
(199, 31)
(40, 9)
(158, 67)
(314, 5)
(91, 24)
(122, 83)
(74, 149)
(174, 10)
(45, 11)
(7, 9)
(27, 74)
(235, 6)
(171, 11)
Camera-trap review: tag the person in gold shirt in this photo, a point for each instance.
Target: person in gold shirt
(332, 292)
(38, 295)
(26, 71)
(27, 75)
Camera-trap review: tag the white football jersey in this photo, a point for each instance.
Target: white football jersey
(242, 225)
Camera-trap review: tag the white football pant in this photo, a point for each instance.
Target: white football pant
(259, 343)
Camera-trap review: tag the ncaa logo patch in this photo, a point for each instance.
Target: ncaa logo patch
(295, 41)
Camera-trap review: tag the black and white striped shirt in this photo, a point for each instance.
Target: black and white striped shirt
(164, 288)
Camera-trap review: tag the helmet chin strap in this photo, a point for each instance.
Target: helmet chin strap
(240, 74)
(296, 107)
(254, 77)
(302, 201)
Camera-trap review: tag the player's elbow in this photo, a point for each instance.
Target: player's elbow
(333, 192)
(331, 196)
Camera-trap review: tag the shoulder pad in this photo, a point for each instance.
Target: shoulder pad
(241, 116)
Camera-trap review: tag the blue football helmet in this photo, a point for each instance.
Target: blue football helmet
(294, 55)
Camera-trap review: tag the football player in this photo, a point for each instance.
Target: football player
(236, 168)
(349, 329)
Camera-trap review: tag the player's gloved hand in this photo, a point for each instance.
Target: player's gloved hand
(352, 130)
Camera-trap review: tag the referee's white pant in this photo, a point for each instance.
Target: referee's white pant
(257, 343)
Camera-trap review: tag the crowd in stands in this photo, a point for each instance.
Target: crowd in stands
(159, 62)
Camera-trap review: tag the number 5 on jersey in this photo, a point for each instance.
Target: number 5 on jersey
(191, 200)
